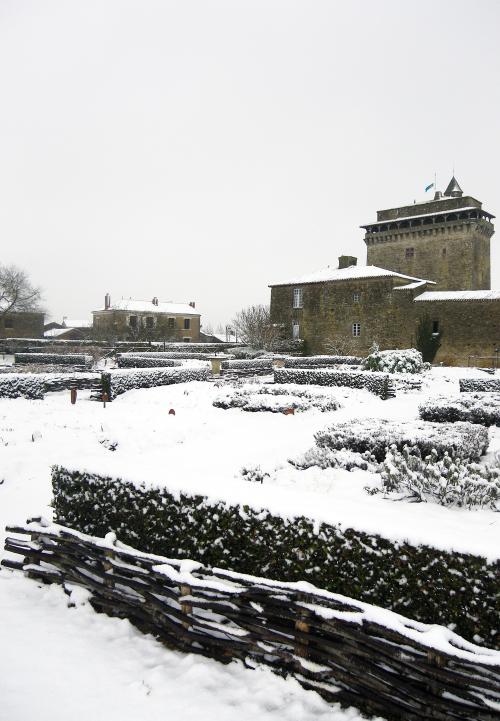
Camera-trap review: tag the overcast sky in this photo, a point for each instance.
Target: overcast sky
(199, 150)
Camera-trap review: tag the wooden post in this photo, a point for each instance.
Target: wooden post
(73, 396)
(104, 399)
(301, 644)
(186, 607)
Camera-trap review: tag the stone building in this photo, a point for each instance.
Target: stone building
(25, 324)
(428, 260)
(129, 319)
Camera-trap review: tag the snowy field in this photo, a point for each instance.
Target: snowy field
(77, 664)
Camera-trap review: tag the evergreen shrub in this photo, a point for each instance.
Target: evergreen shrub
(483, 408)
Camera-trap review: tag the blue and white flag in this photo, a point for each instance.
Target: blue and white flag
(429, 187)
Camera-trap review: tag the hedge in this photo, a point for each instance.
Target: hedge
(53, 382)
(170, 355)
(21, 385)
(483, 408)
(319, 361)
(257, 364)
(375, 435)
(114, 383)
(479, 385)
(459, 590)
(140, 362)
(375, 382)
(53, 358)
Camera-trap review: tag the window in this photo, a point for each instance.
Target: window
(444, 252)
(298, 298)
(186, 340)
(356, 329)
(435, 326)
(410, 252)
(356, 297)
(171, 323)
(295, 330)
(132, 321)
(187, 323)
(9, 322)
(150, 322)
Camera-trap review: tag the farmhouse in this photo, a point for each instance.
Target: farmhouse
(129, 319)
(427, 261)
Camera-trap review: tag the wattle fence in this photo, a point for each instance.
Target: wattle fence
(349, 652)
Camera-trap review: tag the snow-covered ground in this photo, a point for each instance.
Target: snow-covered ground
(77, 664)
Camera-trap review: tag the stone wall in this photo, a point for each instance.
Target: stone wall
(470, 328)
(22, 325)
(456, 255)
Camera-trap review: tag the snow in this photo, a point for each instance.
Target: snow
(80, 665)
(412, 286)
(148, 306)
(459, 295)
(354, 271)
(454, 211)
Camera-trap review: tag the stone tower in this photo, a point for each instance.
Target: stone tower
(446, 240)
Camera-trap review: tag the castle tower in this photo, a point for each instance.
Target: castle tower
(446, 240)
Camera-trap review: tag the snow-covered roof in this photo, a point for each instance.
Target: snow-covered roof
(435, 295)
(453, 211)
(353, 272)
(54, 332)
(147, 306)
(72, 323)
(412, 286)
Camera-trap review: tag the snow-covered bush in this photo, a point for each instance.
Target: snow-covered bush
(374, 382)
(146, 362)
(462, 587)
(326, 458)
(275, 399)
(256, 364)
(255, 474)
(479, 385)
(375, 435)
(447, 481)
(53, 382)
(321, 361)
(53, 358)
(395, 361)
(483, 408)
(115, 383)
(21, 385)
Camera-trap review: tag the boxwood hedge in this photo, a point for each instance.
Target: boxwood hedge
(483, 408)
(114, 383)
(459, 590)
(479, 385)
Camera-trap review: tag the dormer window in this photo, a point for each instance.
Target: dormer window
(298, 298)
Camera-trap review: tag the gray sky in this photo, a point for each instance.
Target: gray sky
(198, 150)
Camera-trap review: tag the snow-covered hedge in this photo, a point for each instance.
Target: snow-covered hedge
(375, 382)
(376, 435)
(322, 361)
(170, 355)
(275, 399)
(21, 385)
(447, 481)
(256, 364)
(317, 457)
(483, 408)
(65, 381)
(395, 361)
(114, 383)
(480, 385)
(422, 582)
(53, 358)
(134, 361)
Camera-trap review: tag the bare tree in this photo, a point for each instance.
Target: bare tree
(253, 326)
(339, 346)
(17, 294)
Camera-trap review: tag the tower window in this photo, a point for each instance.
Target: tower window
(435, 326)
(410, 252)
(443, 253)
(298, 298)
(356, 297)
(356, 329)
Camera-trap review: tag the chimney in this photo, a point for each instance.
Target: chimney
(155, 301)
(346, 261)
(192, 304)
(65, 318)
(107, 301)
(438, 195)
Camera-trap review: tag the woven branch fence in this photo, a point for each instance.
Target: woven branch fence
(347, 651)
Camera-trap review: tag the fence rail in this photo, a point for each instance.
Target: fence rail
(347, 651)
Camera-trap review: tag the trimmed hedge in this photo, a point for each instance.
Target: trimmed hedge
(376, 435)
(434, 586)
(257, 364)
(21, 385)
(53, 358)
(322, 361)
(483, 408)
(479, 385)
(53, 382)
(114, 383)
(170, 355)
(141, 362)
(374, 382)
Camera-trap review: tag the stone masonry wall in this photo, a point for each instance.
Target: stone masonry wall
(117, 322)
(22, 325)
